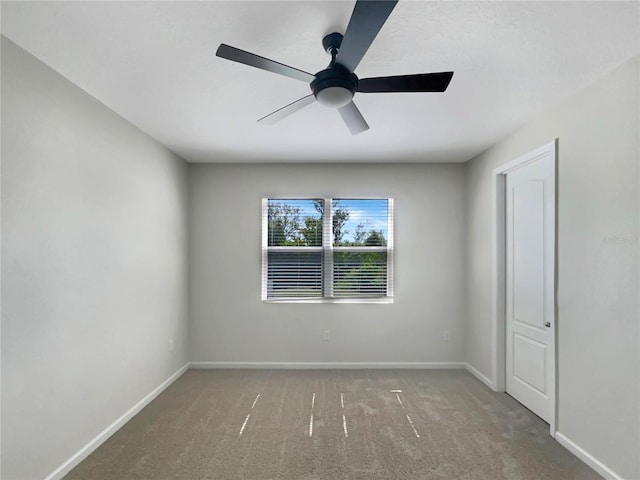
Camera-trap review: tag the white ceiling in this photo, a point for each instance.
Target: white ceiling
(154, 63)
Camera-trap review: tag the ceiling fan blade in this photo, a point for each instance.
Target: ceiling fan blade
(284, 112)
(353, 118)
(253, 60)
(421, 82)
(367, 19)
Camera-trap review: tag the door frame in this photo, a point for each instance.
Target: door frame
(499, 286)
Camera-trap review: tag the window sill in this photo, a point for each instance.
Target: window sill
(385, 300)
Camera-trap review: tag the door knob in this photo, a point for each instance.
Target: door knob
(547, 324)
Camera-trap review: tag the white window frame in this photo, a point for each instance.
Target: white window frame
(327, 250)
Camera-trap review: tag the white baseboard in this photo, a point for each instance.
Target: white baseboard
(587, 458)
(99, 439)
(476, 373)
(328, 365)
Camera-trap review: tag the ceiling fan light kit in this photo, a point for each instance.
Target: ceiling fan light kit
(335, 97)
(336, 85)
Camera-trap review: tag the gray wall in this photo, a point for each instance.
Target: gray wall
(94, 270)
(598, 263)
(229, 323)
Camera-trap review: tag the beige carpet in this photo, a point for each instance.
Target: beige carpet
(444, 424)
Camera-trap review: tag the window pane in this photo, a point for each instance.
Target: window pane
(295, 222)
(359, 274)
(360, 222)
(294, 274)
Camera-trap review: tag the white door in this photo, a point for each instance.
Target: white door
(530, 297)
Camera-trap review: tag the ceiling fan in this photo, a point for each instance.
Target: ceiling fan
(336, 85)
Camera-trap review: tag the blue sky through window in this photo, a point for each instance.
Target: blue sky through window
(306, 207)
(372, 214)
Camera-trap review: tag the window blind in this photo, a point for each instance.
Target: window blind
(294, 274)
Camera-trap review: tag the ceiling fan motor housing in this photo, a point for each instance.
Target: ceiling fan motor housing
(334, 86)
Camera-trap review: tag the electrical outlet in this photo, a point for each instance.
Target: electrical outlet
(326, 336)
(446, 336)
(171, 344)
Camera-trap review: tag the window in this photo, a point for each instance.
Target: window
(331, 250)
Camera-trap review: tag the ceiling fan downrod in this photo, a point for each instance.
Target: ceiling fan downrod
(334, 86)
(331, 44)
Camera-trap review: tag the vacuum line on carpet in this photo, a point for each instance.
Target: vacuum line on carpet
(344, 426)
(255, 401)
(344, 419)
(400, 401)
(412, 426)
(244, 424)
(313, 402)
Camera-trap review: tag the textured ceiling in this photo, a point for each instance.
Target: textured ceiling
(154, 63)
